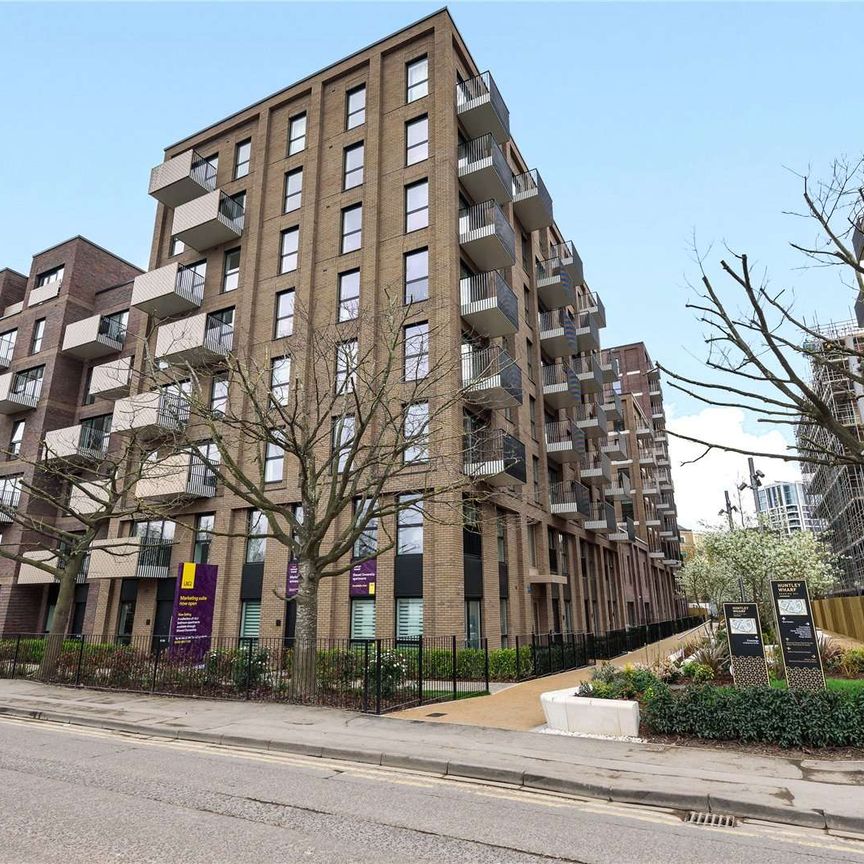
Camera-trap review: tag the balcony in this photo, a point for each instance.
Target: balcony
(646, 455)
(169, 290)
(484, 171)
(7, 350)
(177, 478)
(595, 469)
(198, 340)
(626, 531)
(556, 281)
(591, 419)
(182, 179)
(30, 574)
(210, 221)
(657, 413)
(111, 380)
(612, 404)
(590, 302)
(569, 500)
(75, 444)
(589, 373)
(481, 109)
(94, 337)
(10, 498)
(558, 333)
(130, 558)
(494, 456)
(561, 388)
(489, 305)
(491, 378)
(643, 430)
(655, 551)
(652, 521)
(662, 456)
(564, 441)
(620, 487)
(617, 447)
(18, 392)
(532, 203)
(150, 414)
(666, 505)
(486, 236)
(611, 370)
(650, 488)
(601, 518)
(587, 333)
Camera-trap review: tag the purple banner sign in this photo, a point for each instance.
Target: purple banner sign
(293, 586)
(363, 577)
(194, 603)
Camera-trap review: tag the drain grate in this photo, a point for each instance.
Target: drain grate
(710, 820)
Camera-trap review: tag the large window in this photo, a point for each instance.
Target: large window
(417, 140)
(55, 275)
(416, 275)
(346, 365)
(352, 225)
(7, 345)
(29, 382)
(231, 270)
(409, 617)
(289, 250)
(416, 432)
(409, 525)
(280, 380)
(349, 295)
(293, 190)
(284, 314)
(355, 107)
(242, 155)
(473, 622)
(38, 336)
(353, 166)
(10, 490)
(16, 438)
(274, 462)
(256, 539)
(344, 429)
(204, 524)
(416, 79)
(297, 134)
(416, 206)
(416, 351)
(362, 618)
(219, 394)
(367, 543)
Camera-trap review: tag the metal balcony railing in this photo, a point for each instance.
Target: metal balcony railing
(10, 496)
(600, 511)
(7, 349)
(113, 329)
(26, 390)
(474, 89)
(478, 218)
(555, 320)
(532, 182)
(190, 284)
(232, 211)
(588, 411)
(481, 149)
(174, 409)
(488, 446)
(555, 373)
(93, 440)
(154, 559)
(218, 336)
(570, 495)
(561, 432)
(203, 171)
(489, 362)
(202, 478)
(490, 286)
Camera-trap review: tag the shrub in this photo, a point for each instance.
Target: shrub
(831, 652)
(697, 672)
(713, 655)
(394, 669)
(502, 663)
(609, 682)
(852, 662)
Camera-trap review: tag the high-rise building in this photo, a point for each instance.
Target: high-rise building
(786, 507)
(394, 166)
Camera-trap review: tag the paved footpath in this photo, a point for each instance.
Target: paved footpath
(811, 793)
(518, 707)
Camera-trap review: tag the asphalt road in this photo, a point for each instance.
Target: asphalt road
(70, 795)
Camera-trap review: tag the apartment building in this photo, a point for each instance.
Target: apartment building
(66, 334)
(644, 492)
(837, 493)
(392, 167)
(787, 508)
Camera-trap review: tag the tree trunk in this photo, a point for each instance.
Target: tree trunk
(304, 679)
(56, 636)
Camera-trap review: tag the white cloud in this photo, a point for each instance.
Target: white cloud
(699, 487)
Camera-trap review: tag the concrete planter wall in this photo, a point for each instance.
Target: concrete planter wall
(616, 718)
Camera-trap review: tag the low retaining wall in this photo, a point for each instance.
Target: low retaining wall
(566, 712)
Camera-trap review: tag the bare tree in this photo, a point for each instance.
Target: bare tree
(771, 361)
(365, 419)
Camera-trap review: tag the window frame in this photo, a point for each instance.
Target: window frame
(424, 143)
(415, 425)
(230, 275)
(292, 255)
(346, 372)
(38, 335)
(280, 390)
(412, 510)
(351, 113)
(279, 319)
(298, 194)
(410, 65)
(414, 368)
(241, 164)
(293, 139)
(410, 283)
(350, 173)
(344, 236)
(409, 213)
(345, 311)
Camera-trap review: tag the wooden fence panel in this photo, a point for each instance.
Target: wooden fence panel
(843, 615)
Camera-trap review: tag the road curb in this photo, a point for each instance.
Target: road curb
(721, 804)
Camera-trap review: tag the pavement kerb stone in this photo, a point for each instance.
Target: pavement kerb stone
(845, 822)
(296, 748)
(486, 772)
(548, 783)
(659, 798)
(744, 808)
(350, 755)
(414, 763)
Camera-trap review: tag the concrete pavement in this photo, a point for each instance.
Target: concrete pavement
(811, 793)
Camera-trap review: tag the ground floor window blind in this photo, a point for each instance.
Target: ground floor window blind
(250, 619)
(409, 617)
(363, 618)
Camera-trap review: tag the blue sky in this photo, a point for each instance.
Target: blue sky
(647, 121)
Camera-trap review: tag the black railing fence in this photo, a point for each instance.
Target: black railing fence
(373, 676)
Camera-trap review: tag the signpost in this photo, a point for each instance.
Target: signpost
(744, 631)
(194, 603)
(797, 635)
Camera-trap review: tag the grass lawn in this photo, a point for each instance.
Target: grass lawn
(852, 685)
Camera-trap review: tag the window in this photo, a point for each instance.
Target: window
(204, 523)
(501, 536)
(416, 351)
(297, 134)
(55, 275)
(242, 155)
(568, 616)
(417, 276)
(346, 365)
(29, 382)
(349, 295)
(177, 246)
(290, 247)
(219, 394)
(504, 619)
(344, 428)
(416, 432)
(409, 524)
(417, 79)
(409, 617)
(362, 618)
(355, 107)
(10, 490)
(293, 190)
(352, 223)
(250, 620)
(16, 437)
(367, 543)
(274, 462)
(526, 296)
(89, 398)
(231, 270)
(284, 314)
(7, 345)
(256, 540)
(280, 380)
(526, 253)
(416, 206)
(417, 140)
(535, 476)
(472, 623)
(532, 545)
(529, 359)
(532, 408)
(353, 166)
(38, 335)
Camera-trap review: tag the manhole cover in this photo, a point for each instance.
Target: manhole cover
(710, 820)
